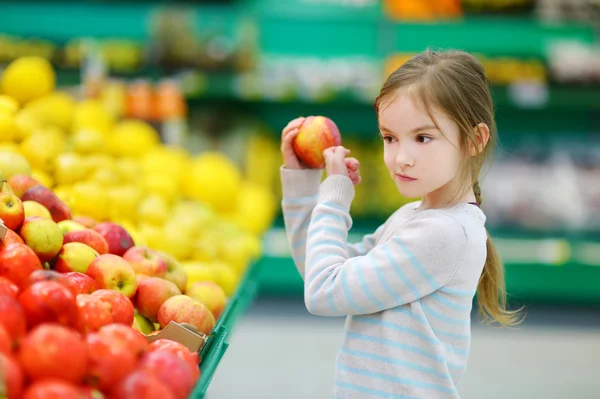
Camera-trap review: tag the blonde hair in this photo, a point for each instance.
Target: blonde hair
(455, 83)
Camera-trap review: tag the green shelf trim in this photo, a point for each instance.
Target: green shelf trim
(209, 365)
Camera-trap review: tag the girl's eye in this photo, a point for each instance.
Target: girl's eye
(423, 139)
(388, 139)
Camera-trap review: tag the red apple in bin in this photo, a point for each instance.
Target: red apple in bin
(48, 302)
(43, 236)
(6, 342)
(17, 262)
(179, 350)
(12, 211)
(125, 336)
(93, 313)
(58, 209)
(151, 294)
(121, 307)
(116, 236)
(183, 309)
(141, 384)
(8, 288)
(114, 273)
(89, 237)
(316, 134)
(12, 318)
(175, 271)
(52, 389)
(146, 261)
(21, 183)
(210, 294)
(12, 379)
(85, 221)
(109, 361)
(53, 351)
(74, 257)
(171, 370)
(78, 283)
(11, 238)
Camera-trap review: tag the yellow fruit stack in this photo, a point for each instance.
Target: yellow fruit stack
(199, 209)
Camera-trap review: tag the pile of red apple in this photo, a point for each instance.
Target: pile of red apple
(59, 343)
(68, 294)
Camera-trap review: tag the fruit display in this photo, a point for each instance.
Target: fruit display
(110, 237)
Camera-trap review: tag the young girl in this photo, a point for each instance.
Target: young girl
(407, 289)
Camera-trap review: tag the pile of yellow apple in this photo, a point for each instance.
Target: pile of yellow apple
(198, 208)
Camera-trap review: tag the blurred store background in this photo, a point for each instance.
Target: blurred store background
(227, 75)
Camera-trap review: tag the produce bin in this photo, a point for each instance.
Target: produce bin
(216, 345)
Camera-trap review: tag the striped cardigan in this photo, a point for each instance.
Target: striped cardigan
(406, 290)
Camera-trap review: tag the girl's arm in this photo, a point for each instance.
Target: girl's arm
(300, 189)
(420, 258)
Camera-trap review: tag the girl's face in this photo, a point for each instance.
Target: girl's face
(422, 161)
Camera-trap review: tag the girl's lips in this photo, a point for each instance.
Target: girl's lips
(404, 177)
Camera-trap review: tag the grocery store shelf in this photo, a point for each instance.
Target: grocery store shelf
(551, 270)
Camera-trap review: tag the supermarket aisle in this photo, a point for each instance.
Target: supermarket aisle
(280, 351)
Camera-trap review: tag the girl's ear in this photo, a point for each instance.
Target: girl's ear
(482, 135)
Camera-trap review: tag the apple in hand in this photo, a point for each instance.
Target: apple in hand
(151, 294)
(74, 257)
(146, 261)
(175, 271)
(93, 313)
(121, 307)
(11, 208)
(183, 309)
(78, 283)
(114, 273)
(48, 302)
(88, 237)
(116, 236)
(315, 135)
(17, 262)
(53, 351)
(43, 236)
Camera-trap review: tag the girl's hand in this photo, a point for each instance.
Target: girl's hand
(336, 163)
(290, 159)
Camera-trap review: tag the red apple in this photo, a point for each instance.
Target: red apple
(12, 318)
(88, 237)
(11, 208)
(175, 271)
(11, 378)
(210, 294)
(141, 384)
(74, 257)
(52, 389)
(171, 370)
(121, 307)
(116, 236)
(316, 134)
(151, 294)
(179, 350)
(8, 288)
(127, 337)
(58, 209)
(108, 366)
(146, 261)
(85, 221)
(78, 283)
(68, 225)
(33, 208)
(93, 313)
(6, 342)
(114, 273)
(10, 239)
(53, 351)
(17, 262)
(21, 183)
(43, 275)
(49, 302)
(183, 309)
(89, 392)
(43, 236)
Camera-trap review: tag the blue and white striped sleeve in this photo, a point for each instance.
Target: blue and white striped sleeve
(368, 243)
(421, 257)
(300, 189)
